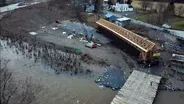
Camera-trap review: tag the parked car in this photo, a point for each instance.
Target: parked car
(91, 45)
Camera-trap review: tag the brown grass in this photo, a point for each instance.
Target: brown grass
(177, 22)
(33, 17)
(136, 5)
(89, 18)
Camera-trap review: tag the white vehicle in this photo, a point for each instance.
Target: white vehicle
(166, 26)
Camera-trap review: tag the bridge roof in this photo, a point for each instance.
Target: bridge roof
(138, 41)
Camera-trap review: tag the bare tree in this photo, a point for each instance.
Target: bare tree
(159, 19)
(160, 7)
(170, 7)
(112, 2)
(156, 19)
(162, 16)
(129, 2)
(144, 4)
(180, 10)
(27, 91)
(150, 19)
(98, 6)
(6, 84)
(14, 92)
(150, 6)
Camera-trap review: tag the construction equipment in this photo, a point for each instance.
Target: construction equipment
(156, 55)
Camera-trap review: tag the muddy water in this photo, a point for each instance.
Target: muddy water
(57, 89)
(167, 97)
(64, 88)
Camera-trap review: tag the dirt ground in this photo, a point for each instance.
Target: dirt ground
(33, 17)
(57, 88)
(41, 18)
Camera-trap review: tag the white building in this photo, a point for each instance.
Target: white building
(106, 1)
(122, 7)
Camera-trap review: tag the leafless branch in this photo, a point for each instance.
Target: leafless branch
(12, 92)
(180, 10)
(144, 4)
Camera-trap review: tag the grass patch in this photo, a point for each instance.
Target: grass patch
(136, 4)
(141, 17)
(177, 22)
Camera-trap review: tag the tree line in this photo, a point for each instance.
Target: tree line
(161, 12)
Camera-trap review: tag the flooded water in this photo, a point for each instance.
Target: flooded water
(63, 88)
(167, 97)
(57, 88)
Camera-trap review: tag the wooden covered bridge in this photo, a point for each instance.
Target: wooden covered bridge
(143, 45)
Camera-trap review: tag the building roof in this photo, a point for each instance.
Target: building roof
(138, 41)
(123, 19)
(119, 5)
(108, 15)
(140, 88)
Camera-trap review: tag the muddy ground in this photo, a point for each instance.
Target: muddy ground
(33, 17)
(19, 23)
(36, 56)
(57, 88)
(60, 84)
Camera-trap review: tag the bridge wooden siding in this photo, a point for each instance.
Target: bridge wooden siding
(145, 46)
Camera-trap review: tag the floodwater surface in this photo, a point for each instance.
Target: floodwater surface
(63, 88)
(57, 88)
(167, 97)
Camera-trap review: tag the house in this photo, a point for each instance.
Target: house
(123, 21)
(122, 7)
(110, 17)
(118, 1)
(106, 1)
